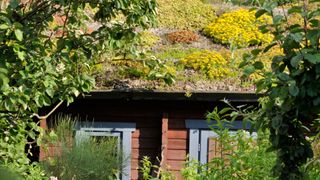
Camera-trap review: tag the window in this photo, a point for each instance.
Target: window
(203, 143)
(120, 131)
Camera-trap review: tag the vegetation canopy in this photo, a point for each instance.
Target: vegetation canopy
(47, 49)
(291, 108)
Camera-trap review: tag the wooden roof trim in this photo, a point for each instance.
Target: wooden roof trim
(173, 96)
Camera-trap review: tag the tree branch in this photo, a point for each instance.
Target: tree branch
(45, 117)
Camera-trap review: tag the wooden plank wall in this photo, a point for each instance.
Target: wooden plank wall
(148, 116)
(146, 140)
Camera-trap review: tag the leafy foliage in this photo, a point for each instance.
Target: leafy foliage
(210, 63)
(239, 155)
(292, 102)
(239, 27)
(147, 169)
(7, 174)
(41, 67)
(312, 167)
(184, 14)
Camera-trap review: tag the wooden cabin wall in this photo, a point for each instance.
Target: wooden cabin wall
(148, 115)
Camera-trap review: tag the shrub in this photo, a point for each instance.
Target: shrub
(182, 37)
(147, 168)
(262, 62)
(312, 167)
(7, 174)
(209, 62)
(88, 158)
(184, 14)
(239, 27)
(248, 160)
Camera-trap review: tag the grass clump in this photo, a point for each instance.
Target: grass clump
(184, 14)
(174, 52)
(240, 28)
(82, 159)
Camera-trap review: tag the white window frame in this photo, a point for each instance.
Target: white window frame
(121, 130)
(199, 134)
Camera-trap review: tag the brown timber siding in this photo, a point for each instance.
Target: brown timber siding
(148, 115)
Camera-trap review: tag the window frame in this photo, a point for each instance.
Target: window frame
(122, 130)
(200, 132)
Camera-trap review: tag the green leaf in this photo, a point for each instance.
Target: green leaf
(283, 76)
(4, 26)
(296, 60)
(9, 105)
(267, 48)
(313, 35)
(293, 89)
(61, 44)
(19, 34)
(314, 59)
(295, 9)
(39, 100)
(4, 81)
(316, 101)
(312, 91)
(14, 3)
(314, 22)
(46, 100)
(297, 37)
(21, 55)
(255, 52)
(258, 65)
(277, 19)
(50, 92)
(249, 70)
(260, 12)
(276, 122)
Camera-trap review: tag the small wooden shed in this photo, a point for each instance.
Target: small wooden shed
(167, 125)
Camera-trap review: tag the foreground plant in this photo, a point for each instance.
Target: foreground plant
(292, 102)
(47, 48)
(81, 157)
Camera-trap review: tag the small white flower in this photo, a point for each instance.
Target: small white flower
(60, 68)
(53, 178)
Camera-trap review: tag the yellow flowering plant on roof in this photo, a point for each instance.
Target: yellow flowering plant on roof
(211, 63)
(239, 27)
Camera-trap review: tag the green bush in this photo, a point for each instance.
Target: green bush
(242, 156)
(88, 158)
(7, 174)
(147, 168)
(184, 14)
(249, 160)
(239, 27)
(312, 167)
(210, 63)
